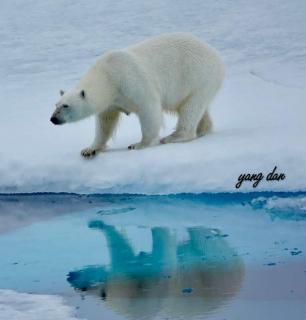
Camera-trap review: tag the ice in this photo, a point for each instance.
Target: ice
(25, 306)
(259, 115)
(282, 206)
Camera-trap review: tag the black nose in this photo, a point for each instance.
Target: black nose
(54, 120)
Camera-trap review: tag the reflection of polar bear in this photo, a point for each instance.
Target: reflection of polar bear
(181, 279)
(173, 72)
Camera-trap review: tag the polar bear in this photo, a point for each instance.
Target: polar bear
(175, 73)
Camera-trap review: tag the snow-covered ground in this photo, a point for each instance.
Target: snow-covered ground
(24, 306)
(260, 115)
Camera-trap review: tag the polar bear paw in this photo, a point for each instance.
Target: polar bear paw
(143, 144)
(178, 137)
(89, 152)
(136, 146)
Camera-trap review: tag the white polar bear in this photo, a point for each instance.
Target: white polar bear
(172, 72)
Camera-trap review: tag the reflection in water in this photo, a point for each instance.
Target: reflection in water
(176, 279)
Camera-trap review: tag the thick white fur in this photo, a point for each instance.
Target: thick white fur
(172, 72)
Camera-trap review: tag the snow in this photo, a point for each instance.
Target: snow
(259, 115)
(24, 306)
(277, 204)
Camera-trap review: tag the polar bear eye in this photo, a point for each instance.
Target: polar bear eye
(65, 106)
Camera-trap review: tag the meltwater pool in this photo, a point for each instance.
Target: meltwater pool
(207, 256)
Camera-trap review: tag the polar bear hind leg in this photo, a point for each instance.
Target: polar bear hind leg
(193, 116)
(205, 125)
(189, 116)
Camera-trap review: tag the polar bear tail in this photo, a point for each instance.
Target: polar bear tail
(205, 125)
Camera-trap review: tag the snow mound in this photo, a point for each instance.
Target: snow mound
(282, 206)
(276, 203)
(24, 306)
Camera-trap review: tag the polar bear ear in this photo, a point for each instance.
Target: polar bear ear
(82, 94)
(62, 92)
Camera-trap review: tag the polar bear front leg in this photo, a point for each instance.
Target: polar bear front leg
(150, 120)
(105, 125)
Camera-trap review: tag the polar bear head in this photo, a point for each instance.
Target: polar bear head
(73, 106)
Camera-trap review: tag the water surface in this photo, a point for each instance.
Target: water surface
(223, 256)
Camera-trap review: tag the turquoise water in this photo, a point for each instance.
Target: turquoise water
(223, 256)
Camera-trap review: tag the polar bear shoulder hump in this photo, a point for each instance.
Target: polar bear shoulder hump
(116, 57)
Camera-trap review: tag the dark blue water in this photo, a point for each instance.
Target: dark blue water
(221, 256)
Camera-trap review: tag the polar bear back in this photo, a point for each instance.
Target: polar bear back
(179, 64)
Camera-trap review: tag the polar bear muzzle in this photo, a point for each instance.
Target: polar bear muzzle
(55, 120)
